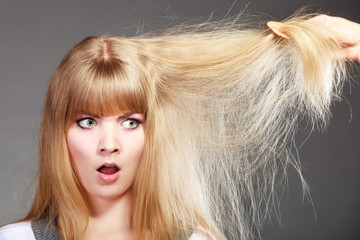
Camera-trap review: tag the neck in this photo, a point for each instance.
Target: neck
(110, 217)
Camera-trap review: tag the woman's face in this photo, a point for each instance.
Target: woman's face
(106, 152)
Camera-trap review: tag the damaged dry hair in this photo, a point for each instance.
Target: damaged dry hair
(221, 108)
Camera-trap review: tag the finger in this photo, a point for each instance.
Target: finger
(353, 53)
(276, 28)
(345, 31)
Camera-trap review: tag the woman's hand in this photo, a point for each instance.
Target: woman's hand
(347, 32)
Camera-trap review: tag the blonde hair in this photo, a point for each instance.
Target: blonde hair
(221, 110)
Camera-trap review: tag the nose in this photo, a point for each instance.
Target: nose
(109, 141)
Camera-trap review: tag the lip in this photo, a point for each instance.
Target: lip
(109, 177)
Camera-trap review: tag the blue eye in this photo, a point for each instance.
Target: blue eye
(130, 123)
(86, 123)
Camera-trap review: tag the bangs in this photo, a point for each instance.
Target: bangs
(107, 88)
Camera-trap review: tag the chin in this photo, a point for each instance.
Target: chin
(109, 193)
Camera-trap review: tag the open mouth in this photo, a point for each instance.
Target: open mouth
(108, 169)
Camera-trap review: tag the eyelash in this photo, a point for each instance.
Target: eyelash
(137, 121)
(78, 122)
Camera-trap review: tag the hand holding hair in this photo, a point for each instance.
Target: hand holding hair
(345, 31)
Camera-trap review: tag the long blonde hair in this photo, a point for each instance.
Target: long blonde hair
(221, 109)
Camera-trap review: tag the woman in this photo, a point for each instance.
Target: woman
(182, 135)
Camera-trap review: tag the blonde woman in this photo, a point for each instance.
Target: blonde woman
(180, 135)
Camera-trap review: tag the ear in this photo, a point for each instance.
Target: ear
(276, 28)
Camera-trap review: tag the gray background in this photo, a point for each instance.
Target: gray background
(35, 35)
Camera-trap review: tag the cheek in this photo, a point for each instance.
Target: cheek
(132, 151)
(136, 146)
(79, 146)
(132, 158)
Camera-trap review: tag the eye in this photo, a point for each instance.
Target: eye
(86, 123)
(130, 123)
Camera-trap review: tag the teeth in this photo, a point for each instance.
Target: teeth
(109, 165)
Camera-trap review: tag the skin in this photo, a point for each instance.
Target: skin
(347, 32)
(94, 141)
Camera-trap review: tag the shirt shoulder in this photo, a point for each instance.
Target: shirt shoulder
(196, 236)
(202, 234)
(20, 230)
